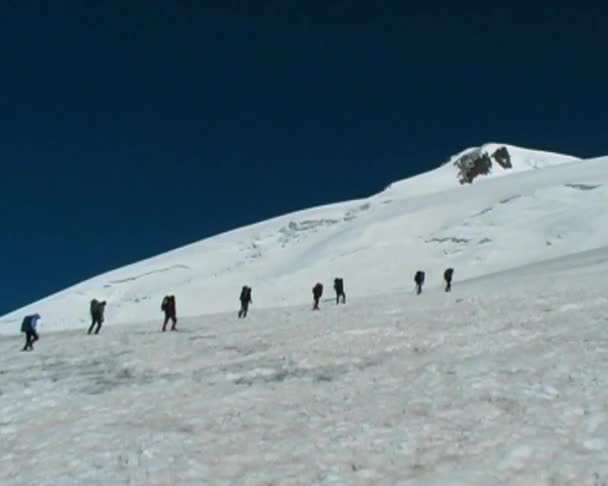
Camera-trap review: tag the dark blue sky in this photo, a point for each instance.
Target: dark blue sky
(128, 128)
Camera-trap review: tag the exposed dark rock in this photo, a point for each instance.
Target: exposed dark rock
(503, 157)
(478, 163)
(472, 165)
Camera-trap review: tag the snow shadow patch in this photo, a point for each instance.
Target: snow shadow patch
(483, 211)
(583, 187)
(247, 349)
(206, 337)
(147, 274)
(354, 212)
(104, 381)
(449, 239)
(296, 230)
(509, 199)
(282, 372)
(100, 376)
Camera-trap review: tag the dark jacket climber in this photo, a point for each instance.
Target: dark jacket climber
(97, 315)
(170, 310)
(447, 276)
(245, 299)
(29, 327)
(317, 292)
(339, 288)
(419, 279)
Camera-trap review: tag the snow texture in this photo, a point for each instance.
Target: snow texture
(502, 381)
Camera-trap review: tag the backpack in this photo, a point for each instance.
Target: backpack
(318, 289)
(168, 304)
(26, 325)
(339, 284)
(448, 273)
(419, 277)
(97, 308)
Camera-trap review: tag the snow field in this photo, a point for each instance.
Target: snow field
(503, 381)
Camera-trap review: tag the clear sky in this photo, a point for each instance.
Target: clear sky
(128, 128)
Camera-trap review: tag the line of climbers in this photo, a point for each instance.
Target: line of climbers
(317, 292)
(447, 277)
(97, 308)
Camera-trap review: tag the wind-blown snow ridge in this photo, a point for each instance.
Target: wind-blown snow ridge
(428, 222)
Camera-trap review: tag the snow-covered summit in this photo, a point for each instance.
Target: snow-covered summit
(500, 159)
(476, 164)
(427, 222)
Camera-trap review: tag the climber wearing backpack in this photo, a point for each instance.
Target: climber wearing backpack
(339, 288)
(245, 299)
(97, 315)
(317, 292)
(28, 326)
(169, 308)
(447, 276)
(419, 280)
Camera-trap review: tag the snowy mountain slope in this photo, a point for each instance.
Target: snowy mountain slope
(428, 222)
(502, 382)
(514, 159)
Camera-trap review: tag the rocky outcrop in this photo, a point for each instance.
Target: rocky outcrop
(503, 157)
(479, 162)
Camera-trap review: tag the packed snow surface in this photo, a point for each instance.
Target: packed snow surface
(504, 381)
